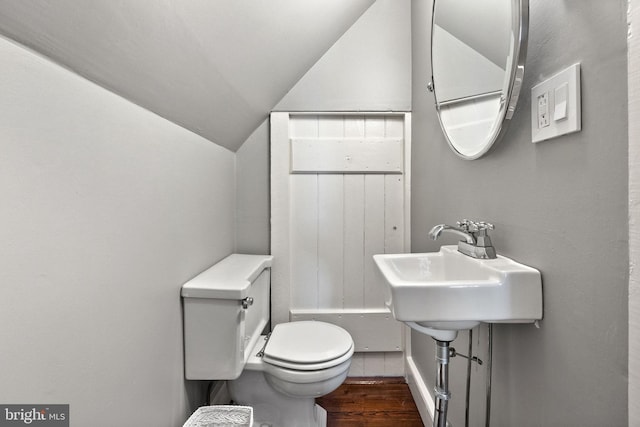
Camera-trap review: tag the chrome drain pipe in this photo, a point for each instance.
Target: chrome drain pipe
(442, 394)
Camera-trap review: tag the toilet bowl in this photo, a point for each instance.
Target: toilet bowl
(306, 359)
(287, 370)
(226, 308)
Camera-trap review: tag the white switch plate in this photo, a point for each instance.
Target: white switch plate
(546, 122)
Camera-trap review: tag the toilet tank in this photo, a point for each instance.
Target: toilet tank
(225, 309)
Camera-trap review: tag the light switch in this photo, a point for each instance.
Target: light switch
(560, 95)
(563, 113)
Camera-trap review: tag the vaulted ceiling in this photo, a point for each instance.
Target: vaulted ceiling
(216, 67)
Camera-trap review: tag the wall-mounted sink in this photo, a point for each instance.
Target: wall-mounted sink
(440, 293)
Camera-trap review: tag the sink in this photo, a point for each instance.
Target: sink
(440, 293)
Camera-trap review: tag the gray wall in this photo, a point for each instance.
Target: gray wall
(106, 210)
(367, 69)
(634, 214)
(559, 206)
(252, 189)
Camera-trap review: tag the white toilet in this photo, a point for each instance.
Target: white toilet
(226, 309)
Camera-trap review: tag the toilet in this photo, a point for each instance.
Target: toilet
(226, 310)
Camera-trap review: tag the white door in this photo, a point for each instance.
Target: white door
(340, 195)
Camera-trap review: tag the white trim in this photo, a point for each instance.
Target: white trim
(345, 113)
(280, 269)
(347, 155)
(407, 182)
(408, 130)
(421, 395)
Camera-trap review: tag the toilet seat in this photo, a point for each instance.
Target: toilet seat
(308, 346)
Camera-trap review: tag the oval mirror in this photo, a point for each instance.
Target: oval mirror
(477, 61)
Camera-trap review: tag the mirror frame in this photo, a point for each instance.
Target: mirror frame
(509, 100)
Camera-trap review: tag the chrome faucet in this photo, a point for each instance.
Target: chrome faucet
(476, 244)
(438, 229)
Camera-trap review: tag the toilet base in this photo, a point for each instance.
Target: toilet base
(320, 419)
(273, 409)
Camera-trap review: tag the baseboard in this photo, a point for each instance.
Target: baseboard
(374, 380)
(421, 395)
(321, 416)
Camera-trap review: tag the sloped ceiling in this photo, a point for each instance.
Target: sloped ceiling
(216, 67)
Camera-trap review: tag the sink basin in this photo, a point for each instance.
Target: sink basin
(440, 293)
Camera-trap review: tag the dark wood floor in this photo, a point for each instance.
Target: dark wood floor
(371, 402)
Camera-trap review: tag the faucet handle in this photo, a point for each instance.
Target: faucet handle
(475, 226)
(483, 239)
(466, 225)
(483, 226)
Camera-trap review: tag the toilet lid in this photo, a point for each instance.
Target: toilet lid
(307, 343)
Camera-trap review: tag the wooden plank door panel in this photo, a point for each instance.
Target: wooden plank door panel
(337, 217)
